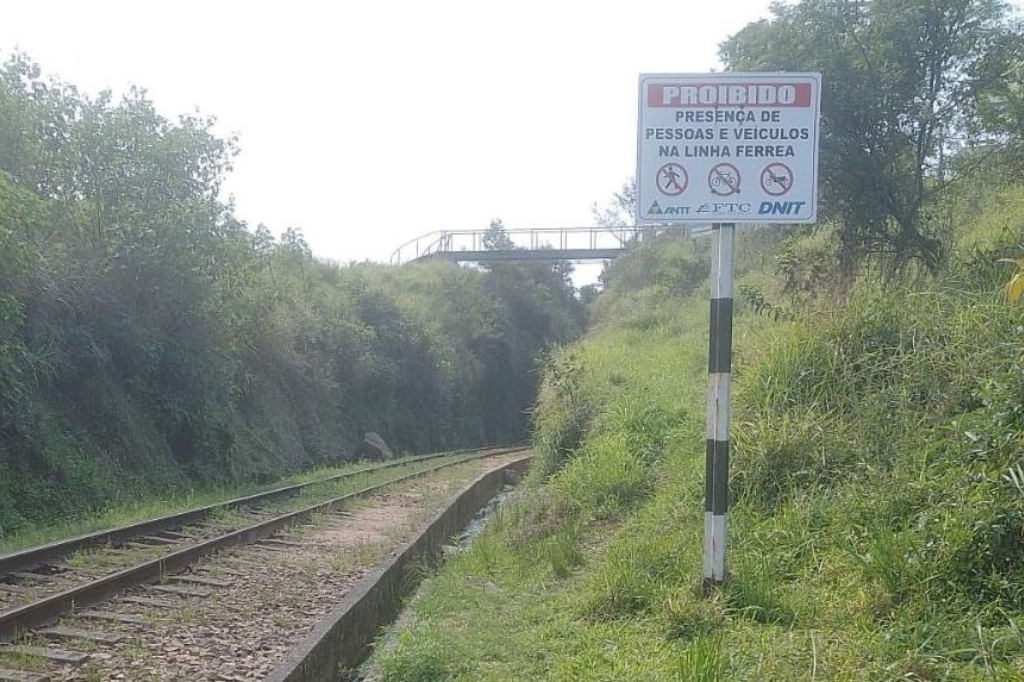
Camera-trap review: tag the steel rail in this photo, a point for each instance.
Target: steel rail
(33, 556)
(44, 610)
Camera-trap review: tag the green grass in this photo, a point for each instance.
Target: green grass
(877, 520)
(557, 565)
(24, 662)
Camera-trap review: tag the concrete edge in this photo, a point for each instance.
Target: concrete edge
(343, 637)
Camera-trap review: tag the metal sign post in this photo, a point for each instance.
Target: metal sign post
(716, 482)
(726, 148)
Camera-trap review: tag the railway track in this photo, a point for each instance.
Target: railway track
(31, 558)
(40, 585)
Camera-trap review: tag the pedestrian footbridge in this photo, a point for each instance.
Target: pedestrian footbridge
(531, 244)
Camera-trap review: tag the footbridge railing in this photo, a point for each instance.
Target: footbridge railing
(531, 244)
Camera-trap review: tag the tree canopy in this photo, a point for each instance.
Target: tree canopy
(149, 338)
(909, 87)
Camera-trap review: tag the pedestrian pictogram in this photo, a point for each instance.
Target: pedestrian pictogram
(724, 179)
(672, 179)
(776, 179)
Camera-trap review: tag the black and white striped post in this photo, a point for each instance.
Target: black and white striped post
(716, 485)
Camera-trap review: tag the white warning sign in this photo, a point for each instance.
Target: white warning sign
(728, 148)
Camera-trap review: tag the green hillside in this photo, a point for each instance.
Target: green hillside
(152, 343)
(877, 485)
(877, 527)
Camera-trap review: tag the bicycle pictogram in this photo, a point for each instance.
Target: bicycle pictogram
(724, 179)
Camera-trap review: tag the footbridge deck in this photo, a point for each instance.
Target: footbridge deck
(532, 244)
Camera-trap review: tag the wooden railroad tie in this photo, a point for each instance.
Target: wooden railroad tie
(113, 617)
(60, 632)
(200, 580)
(21, 676)
(75, 658)
(152, 602)
(180, 591)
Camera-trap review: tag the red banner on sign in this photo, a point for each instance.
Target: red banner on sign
(729, 94)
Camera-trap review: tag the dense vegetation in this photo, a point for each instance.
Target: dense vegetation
(916, 96)
(149, 340)
(877, 525)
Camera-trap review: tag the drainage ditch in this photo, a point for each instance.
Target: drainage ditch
(342, 640)
(365, 673)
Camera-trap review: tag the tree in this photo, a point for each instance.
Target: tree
(496, 238)
(589, 293)
(620, 211)
(145, 331)
(902, 83)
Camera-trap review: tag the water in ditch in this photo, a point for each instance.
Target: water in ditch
(367, 672)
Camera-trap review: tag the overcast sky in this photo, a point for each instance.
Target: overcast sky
(368, 123)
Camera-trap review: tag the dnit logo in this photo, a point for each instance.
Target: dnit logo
(781, 207)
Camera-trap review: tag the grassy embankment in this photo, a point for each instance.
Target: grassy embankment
(151, 342)
(878, 494)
